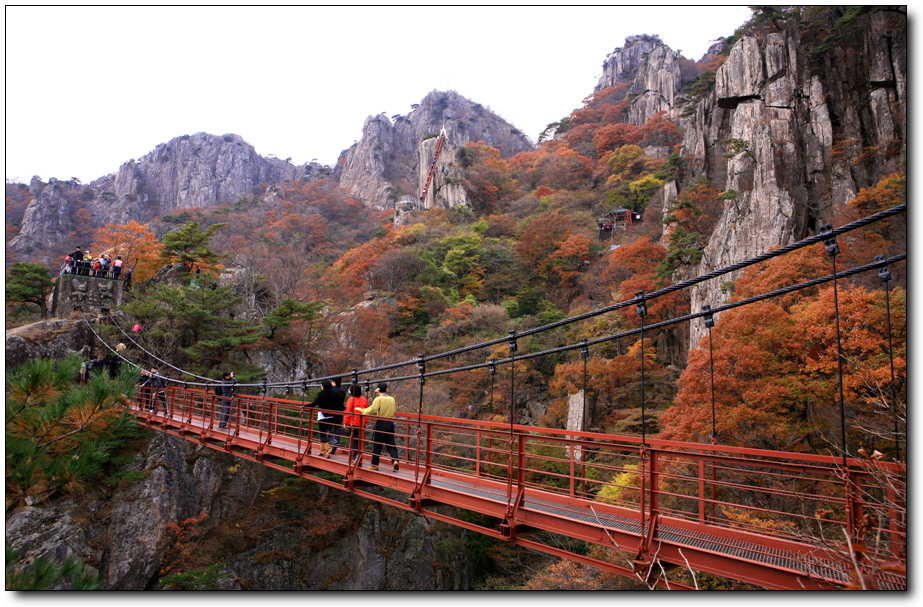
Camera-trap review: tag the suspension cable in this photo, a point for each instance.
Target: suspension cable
(684, 284)
(654, 294)
(681, 285)
(160, 360)
(110, 348)
(616, 336)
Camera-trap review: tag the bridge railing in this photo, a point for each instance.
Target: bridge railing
(795, 497)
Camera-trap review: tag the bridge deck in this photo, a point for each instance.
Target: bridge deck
(769, 561)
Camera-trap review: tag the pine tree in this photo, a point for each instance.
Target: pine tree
(59, 434)
(188, 245)
(42, 574)
(28, 282)
(195, 325)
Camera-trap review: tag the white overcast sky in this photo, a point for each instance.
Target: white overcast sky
(87, 89)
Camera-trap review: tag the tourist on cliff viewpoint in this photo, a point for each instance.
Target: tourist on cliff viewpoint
(383, 406)
(77, 257)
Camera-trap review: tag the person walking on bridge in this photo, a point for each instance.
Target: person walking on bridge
(326, 402)
(227, 387)
(158, 386)
(339, 405)
(153, 387)
(354, 420)
(383, 406)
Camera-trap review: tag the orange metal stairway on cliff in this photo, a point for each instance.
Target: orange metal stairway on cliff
(432, 166)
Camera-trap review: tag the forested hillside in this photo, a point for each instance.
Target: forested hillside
(796, 121)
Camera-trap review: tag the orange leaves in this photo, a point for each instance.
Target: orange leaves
(361, 337)
(572, 257)
(539, 240)
(863, 339)
(638, 257)
(488, 175)
(135, 243)
(554, 164)
(799, 266)
(776, 371)
(660, 130)
(607, 380)
(889, 192)
(714, 62)
(614, 136)
(355, 266)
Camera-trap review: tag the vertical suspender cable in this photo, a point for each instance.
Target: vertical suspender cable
(709, 323)
(493, 373)
(421, 365)
(263, 408)
(884, 275)
(833, 249)
(584, 354)
(509, 471)
(641, 309)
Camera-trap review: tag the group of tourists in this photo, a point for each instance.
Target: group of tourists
(84, 264)
(333, 403)
(340, 413)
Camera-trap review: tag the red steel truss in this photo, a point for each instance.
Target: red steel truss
(774, 519)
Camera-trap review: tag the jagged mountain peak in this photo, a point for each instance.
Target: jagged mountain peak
(189, 171)
(383, 164)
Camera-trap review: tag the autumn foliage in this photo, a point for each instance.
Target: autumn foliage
(135, 243)
(776, 372)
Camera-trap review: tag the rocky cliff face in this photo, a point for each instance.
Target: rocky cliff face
(48, 339)
(445, 189)
(651, 71)
(198, 170)
(384, 164)
(202, 170)
(790, 135)
(268, 533)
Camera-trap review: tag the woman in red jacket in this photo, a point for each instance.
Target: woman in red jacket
(353, 418)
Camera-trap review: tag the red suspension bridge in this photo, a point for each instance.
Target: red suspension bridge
(683, 505)
(774, 519)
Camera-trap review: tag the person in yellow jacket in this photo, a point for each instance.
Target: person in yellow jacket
(383, 406)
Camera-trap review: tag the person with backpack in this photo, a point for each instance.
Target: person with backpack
(325, 401)
(226, 389)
